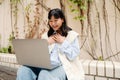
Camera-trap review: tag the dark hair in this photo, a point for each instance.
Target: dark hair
(57, 13)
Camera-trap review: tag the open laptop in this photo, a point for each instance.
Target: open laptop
(32, 52)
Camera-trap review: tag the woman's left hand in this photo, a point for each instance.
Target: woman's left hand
(58, 38)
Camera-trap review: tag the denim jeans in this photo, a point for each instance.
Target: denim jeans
(33, 73)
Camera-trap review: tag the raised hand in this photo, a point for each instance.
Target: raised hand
(51, 40)
(58, 38)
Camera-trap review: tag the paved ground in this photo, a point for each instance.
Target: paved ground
(7, 73)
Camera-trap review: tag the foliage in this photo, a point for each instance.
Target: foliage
(11, 37)
(7, 49)
(100, 58)
(33, 25)
(4, 50)
(28, 8)
(14, 3)
(10, 47)
(14, 15)
(82, 7)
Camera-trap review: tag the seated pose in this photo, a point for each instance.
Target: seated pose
(63, 49)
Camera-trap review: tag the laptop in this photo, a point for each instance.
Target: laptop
(32, 52)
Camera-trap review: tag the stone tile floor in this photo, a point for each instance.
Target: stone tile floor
(7, 73)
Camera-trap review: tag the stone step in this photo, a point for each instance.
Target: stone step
(7, 73)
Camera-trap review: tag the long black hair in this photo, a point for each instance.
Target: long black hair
(57, 13)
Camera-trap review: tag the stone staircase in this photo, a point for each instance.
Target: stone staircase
(7, 73)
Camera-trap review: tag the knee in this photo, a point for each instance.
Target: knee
(43, 73)
(23, 70)
(46, 75)
(25, 73)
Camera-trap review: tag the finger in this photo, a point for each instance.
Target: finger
(55, 35)
(54, 38)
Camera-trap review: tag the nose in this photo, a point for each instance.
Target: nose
(54, 24)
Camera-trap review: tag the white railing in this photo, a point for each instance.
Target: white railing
(94, 69)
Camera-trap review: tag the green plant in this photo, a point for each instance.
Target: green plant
(4, 50)
(14, 15)
(10, 47)
(11, 37)
(14, 6)
(81, 7)
(100, 58)
(80, 10)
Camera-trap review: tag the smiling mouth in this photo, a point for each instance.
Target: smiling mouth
(55, 26)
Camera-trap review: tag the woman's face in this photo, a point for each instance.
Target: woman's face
(55, 23)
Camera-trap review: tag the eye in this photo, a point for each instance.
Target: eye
(56, 20)
(50, 21)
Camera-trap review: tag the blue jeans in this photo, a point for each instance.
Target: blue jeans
(33, 73)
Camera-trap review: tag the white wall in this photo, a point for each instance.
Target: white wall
(113, 23)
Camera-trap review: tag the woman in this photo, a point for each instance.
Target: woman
(63, 49)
